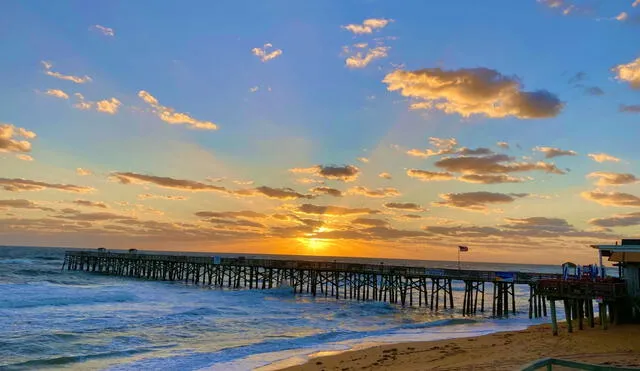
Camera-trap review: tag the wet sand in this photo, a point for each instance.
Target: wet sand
(617, 346)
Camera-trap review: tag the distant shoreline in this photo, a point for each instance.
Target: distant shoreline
(618, 346)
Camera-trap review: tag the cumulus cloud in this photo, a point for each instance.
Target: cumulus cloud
(473, 91)
(57, 93)
(165, 182)
(403, 206)
(618, 220)
(264, 55)
(375, 193)
(425, 175)
(106, 31)
(384, 175)
(608, 178)
(629, 73)
(612, 198)
(477, 201)
(326, 191)
(603, 157)
(333, 210)
(149, 196)
(170, 116)
(18, 185)
(443, 146)
(551, 152)
(15, 139)
(22, 204)
(495, 164)
(634, 108)
(368, 26)
(76, 79)
(362, 59)
(88, 203)
(346, 173)
(109, 106)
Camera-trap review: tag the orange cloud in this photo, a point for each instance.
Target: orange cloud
(57, 93)
(403, 206)
(170, 116)
(76, 79)
(9, 138)
(333, 210)
(346, 173)
(629, 73)
(603, 157)
(473, 91)
(264, 55)
(368, 26)
(18, 185)
(425, 175)
(607, 178)
(612, 198)
(87, 203)
(550, 152)
(375, 193)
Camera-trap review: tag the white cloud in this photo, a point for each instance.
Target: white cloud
(629, 72)
(363, 160)
(103, 30)
(603, 157)
(57, 93)
(264, 55)
(78, 80)
(635, 3)
(254, 89)
(368, 26)
(170, 116)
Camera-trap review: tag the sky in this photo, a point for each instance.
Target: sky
(340, 128)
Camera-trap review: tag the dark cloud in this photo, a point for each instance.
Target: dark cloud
(477, 201)
(593, 90)
(22, 204)
(87, 203)
(403, 206)
(94, 217)
(326, 191)
(18, 185)
(334, 210)
(231, 214)
(346, 173)
(619, 220)
(277, 193)
(634, 108)
(234, 222)
(166, 182)
(370, 222)
(495, 164)
(473, 91)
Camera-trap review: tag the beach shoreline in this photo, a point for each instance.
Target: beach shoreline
(507, 350)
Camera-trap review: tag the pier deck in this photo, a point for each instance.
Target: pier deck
(405, 285)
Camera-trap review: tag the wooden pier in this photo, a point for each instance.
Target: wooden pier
(578, 297)
(404, 285)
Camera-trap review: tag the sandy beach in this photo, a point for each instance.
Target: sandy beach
(618, 346)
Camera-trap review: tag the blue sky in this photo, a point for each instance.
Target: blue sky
(318, 103)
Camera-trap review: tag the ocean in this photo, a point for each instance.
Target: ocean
(53, 319)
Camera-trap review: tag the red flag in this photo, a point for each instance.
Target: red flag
(463, 248)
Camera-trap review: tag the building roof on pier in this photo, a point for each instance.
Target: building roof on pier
(626, 253)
